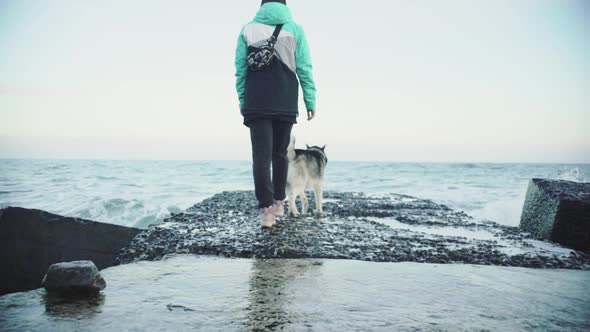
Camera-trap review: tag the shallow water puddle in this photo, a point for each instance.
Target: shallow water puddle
(476, 234)
(507, 246)
(188, 292)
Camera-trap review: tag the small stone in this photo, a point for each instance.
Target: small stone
(74, 277)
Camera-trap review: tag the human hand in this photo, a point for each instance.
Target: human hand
(310, 114)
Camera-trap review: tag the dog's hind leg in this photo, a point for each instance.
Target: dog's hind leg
(304, 203)
(319, 198)
(293, 204)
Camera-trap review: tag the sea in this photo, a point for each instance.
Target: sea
(188, 292)
(144, 192)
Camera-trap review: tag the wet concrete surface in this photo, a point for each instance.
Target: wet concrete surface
(386, 228)
(204, 293)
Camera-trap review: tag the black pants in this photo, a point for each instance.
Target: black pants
(270, 140)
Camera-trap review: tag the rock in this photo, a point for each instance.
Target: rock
(559, 211)
(384, 228)
(32, 240)
(73, 277)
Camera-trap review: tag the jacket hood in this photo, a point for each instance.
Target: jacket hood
(273, 13)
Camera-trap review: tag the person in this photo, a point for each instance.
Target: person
(269, 99)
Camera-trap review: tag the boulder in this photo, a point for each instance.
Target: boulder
(73, 277)
(31, 240)
(559, 211)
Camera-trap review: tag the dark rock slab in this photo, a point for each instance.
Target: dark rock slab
(31, 240)
(77, 277)
(387, 228)
(559, 211)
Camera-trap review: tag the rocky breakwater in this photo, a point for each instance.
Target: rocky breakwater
(386, 228)
(32, 240)
(559, 211)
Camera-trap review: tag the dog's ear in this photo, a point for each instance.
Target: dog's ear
(307, 146)
(323, 147)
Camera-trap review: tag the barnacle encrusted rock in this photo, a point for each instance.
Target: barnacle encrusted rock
(559, 211)
(386, 228)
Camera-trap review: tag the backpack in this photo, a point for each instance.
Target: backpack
(260, 57)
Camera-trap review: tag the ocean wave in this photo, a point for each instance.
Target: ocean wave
(140, 193)
(132, 185)
(4, 192)
(125, 212)
(56, 167)
(572, 174)
(60, 180)
(104, 177)
(466, 165)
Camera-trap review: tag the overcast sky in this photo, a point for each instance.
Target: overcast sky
(496, 81)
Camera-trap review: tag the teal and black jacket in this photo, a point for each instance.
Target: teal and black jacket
(274, 90)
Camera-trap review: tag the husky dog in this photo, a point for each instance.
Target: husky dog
(306, 171)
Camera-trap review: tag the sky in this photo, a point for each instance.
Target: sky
(411, 80)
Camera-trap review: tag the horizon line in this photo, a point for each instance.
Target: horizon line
(333, 160)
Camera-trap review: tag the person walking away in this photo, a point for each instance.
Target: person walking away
(272, 59)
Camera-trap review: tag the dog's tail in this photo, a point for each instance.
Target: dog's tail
(291, 149)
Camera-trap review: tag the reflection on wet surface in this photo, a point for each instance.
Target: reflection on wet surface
(217, 294)
(72, 307)
(271, 282)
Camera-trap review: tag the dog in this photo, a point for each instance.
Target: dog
(306, 171)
